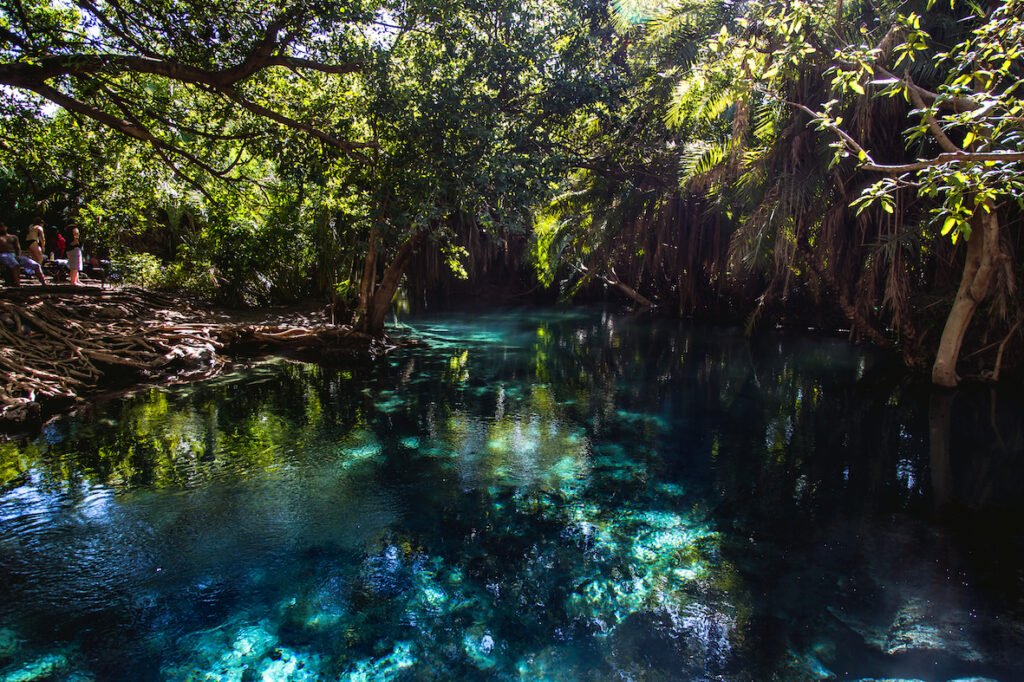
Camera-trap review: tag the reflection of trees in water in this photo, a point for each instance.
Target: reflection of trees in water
(828, 480)
(184, 437)
(800, 445)
(547, 449)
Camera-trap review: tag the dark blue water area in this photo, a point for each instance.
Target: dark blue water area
(560, 495)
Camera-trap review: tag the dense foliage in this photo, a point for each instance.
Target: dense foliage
(833, 164)
(774, 167)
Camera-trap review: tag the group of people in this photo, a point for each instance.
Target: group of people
(14, 259)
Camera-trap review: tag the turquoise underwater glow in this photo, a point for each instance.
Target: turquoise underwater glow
(525, 495)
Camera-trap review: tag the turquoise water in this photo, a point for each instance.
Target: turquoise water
(540, 496)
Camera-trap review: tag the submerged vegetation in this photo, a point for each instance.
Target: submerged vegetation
(840, 165)
(546, 496)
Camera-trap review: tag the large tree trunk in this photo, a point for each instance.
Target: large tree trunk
(975, 284)
(369, 279)
(374, 308)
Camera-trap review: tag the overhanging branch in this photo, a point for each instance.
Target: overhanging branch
(288, 122)
(895, 169)
(23, 74)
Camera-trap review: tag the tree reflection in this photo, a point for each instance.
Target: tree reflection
(527, 488)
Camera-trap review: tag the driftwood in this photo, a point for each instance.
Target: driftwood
(291, 337)
(58, 344)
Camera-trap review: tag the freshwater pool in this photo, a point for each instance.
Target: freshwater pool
(527, 495)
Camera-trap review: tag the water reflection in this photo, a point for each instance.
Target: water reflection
(543, 496)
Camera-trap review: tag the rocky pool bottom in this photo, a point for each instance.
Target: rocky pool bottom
(542, 496)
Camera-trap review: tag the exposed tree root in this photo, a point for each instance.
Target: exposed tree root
(58, 344)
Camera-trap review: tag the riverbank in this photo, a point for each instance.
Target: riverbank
(59, 345)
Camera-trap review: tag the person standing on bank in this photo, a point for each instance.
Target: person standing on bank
(35, 242)
(51, 232)
(10, 249)
(74, 256)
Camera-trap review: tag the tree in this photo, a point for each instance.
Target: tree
(424, 112)
(970, 133)
(215, 93)
(171, 71)
(792, 211)
(620, 217)
(465, 97)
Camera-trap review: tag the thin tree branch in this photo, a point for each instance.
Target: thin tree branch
(164, 145)
(960, 157)
(119, 32)
(940, 159)
(181, 174)
(12, 37)
(955, 104)
(89, 111)
(172, 124)
(933, 125)
(259, 109)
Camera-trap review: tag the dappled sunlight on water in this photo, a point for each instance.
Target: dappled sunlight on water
(528, 496)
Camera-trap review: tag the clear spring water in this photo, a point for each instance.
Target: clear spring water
(540, 496)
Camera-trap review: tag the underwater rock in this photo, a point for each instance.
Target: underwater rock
(478, 644)
(661, 645)
(9, 644)
(385, 575)
(37, 669)
(652, 561)
(872, 635)
(553, 663)
(217, 656)
(917, 627)
(253, 640)
(920, 627)
(285, 665)
(805, 666)
(79, 676)
(389, 667)
(321, 607)
(360, 452)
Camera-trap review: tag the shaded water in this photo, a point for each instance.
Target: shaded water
(527, 496)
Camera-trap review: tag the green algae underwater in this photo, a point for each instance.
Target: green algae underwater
(525, 495)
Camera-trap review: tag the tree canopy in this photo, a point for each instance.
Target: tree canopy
(831, 164)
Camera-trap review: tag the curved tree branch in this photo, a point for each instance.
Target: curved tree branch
(37, 75)
(288, 122)
(25, 74)
(938, 160)
(933, 125)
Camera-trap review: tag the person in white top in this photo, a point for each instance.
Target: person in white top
(74, 256)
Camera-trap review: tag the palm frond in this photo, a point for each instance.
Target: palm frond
(701, 158)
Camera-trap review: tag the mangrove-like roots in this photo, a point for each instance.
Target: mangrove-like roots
(58, 344)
